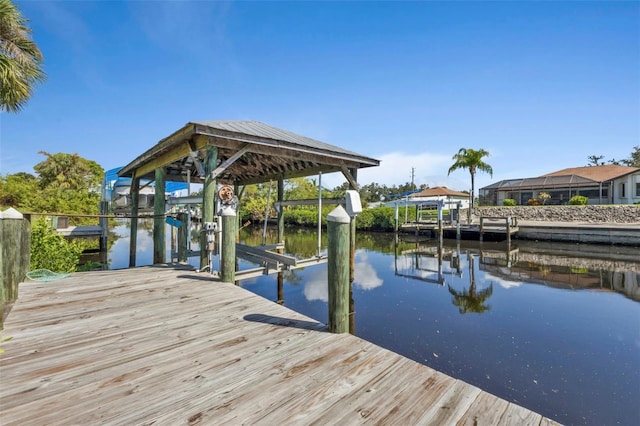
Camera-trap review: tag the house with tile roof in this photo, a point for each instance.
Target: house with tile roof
(606, 184)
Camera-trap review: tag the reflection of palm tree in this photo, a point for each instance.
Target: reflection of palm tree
(293, 278)
(471, 300)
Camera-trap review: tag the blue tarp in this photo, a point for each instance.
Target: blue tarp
(111, 177)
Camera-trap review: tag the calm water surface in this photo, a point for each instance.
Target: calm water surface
(552, 327)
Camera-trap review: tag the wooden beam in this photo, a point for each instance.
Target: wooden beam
(350, 178)
(222, 167)
(309, 202)
(176, 153)
(267, 255)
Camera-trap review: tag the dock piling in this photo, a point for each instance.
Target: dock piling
(338, 229)
(15, 255)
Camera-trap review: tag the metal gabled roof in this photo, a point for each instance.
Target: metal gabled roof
(259, 129)
(268, 153)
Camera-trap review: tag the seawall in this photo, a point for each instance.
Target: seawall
(586, 214)
(579, 224)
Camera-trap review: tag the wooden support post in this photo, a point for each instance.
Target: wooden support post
(338, 270)
(280, 210)
(481, 228)
(236, 190)
(509, 230)
(159, 248)
(395, 226)
(228, 251)
(133, 231)
(183, 235)
(352, 232)
(15, 255)
(352, 258)
(208, 200)
(104, 226)
(440, 220)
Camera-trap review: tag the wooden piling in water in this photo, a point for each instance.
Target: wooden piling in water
(338, 227)
(208, 200)
(183, 236)
(133, 230)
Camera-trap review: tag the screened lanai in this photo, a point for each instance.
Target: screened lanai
(561, 188)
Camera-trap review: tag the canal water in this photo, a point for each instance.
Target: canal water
(554, 327)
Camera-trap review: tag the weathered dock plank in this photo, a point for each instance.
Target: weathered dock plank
(169, 346)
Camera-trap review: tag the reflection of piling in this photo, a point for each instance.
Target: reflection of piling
(338, 227)
(352, 310)
(280, 288)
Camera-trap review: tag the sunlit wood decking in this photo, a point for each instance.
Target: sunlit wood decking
(167, 346)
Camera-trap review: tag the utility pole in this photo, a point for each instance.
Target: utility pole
(413, 175)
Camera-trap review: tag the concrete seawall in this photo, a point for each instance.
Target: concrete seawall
(579, 224)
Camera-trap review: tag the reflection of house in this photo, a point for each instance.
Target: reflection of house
(608, 184)
(440, 193)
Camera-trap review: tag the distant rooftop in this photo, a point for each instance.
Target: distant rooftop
(439, 191)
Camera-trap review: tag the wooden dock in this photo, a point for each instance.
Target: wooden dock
(166, 346)
(492, 228)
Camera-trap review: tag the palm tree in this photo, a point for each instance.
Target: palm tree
(471, 159)
(20, 59)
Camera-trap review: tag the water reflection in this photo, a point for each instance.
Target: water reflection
(425, 261)
(471, 300)
(541, 341)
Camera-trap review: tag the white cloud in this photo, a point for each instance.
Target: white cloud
(315, 287)
(365, 275)
(503, 282)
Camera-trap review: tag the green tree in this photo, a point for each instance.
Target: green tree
(20, 59)
(634, 159)
(52, 251)
(594, 160)
(68, 184)
(69, 171)
(19, 191)
(471, 159)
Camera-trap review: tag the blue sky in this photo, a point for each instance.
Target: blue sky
(540, 85)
